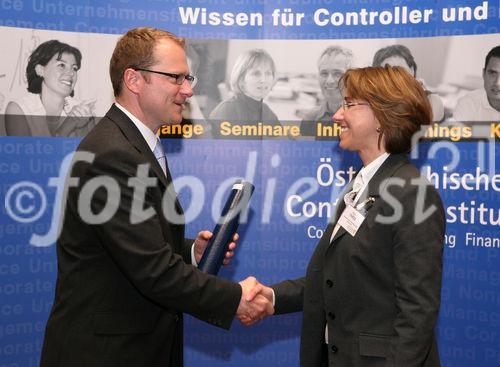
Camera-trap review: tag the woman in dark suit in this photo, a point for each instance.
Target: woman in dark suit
(371, 294)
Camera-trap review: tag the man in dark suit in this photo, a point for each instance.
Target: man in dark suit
(124, 267)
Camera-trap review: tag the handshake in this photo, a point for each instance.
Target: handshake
(256, 302)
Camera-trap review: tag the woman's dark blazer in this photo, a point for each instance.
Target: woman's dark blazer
(379, 291)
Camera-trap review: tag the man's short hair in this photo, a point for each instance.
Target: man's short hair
(335, 51)
(494, 52)
(135, 49)
(395, 50)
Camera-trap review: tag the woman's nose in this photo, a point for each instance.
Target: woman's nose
(339, 115)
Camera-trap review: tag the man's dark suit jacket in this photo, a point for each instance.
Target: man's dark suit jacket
(122, 287)
(379, 291)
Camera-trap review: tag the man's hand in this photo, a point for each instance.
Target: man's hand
(256, 302)
(201, 242)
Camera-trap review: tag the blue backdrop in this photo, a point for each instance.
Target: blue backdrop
(271, 248)
(297, 181)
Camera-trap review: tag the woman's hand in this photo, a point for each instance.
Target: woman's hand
(83, 109)
(79, 120)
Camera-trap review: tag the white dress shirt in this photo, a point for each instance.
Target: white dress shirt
(475, 106)
(145, 131)
(361, 182)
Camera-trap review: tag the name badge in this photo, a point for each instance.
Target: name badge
(351, 220)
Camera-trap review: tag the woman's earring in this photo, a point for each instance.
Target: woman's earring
(379, 130)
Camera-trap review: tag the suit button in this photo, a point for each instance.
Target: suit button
(329, 283)
(334, 349)
(331, 315)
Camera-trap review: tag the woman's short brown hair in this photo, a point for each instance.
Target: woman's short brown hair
(135, 49)
(397, 99)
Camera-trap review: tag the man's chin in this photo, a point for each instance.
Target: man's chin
(331, 94)
(171, 122)
(175, 120)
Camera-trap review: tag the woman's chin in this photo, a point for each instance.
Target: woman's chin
(344, 144)
(256, 97)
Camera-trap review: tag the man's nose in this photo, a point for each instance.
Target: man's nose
(497, 80)
(186, 88)
(331, 78)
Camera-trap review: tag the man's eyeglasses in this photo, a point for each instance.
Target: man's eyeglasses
(348, 104)
(179, 78)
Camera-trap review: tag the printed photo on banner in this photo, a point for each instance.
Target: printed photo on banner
(304, 86)
(54, 83)
(57, 84)
(265, 85)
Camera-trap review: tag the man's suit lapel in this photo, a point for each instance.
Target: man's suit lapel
(175, 231)
(135, 138)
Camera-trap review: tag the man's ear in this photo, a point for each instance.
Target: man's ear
(132, 80)
(39, 70)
